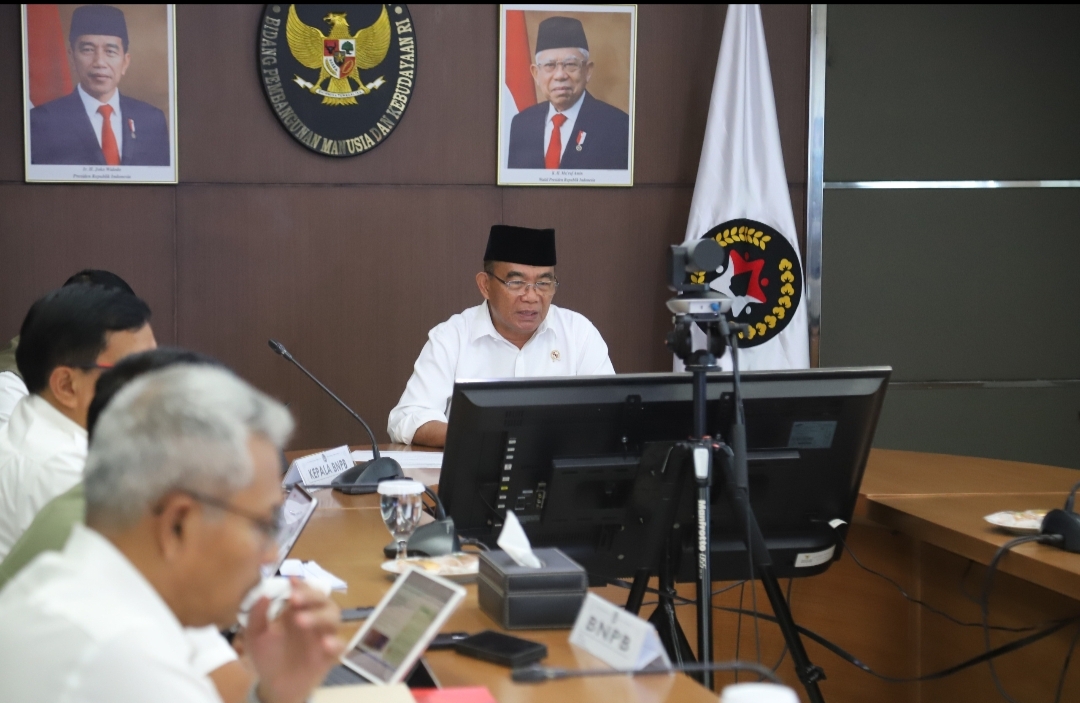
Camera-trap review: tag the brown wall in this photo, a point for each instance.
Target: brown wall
(349, 262)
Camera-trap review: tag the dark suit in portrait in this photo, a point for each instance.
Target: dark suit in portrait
(606, 144)
(61, 133)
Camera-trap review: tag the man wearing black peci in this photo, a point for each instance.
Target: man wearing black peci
(571, 129)
(95, 124)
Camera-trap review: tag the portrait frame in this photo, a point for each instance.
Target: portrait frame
(601, 96)
(60, 141)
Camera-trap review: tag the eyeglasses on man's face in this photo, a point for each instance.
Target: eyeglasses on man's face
(571, 66)
(269, 527)
(519, 286)
(94, 367)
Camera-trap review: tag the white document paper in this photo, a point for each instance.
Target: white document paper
(319, 469)
(620, 639)
(407, 460)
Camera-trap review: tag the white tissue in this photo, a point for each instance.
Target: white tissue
(313, 574)
(513, 541)
(276, 588)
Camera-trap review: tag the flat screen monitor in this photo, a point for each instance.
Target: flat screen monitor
(592, 465)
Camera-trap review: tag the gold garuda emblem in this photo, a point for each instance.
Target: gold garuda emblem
(340, 56)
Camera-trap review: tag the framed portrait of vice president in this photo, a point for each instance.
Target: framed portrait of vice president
(99, 93)
(566, 95)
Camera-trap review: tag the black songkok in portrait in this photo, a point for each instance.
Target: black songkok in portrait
(98, 19)
(521, 245)
(561, 33)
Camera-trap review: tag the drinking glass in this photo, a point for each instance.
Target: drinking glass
(401, 504)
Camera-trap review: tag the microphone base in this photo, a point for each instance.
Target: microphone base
(364, 478)
(434, 539)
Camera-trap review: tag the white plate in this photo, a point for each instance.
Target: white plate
(1021, 522)
(461, 567)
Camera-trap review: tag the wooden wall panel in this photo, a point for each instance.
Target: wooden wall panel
(51, 231)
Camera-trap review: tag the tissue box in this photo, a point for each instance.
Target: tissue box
(520, 598)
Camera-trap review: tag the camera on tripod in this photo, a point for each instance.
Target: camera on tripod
(697, 303)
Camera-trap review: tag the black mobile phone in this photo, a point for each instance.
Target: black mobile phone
(349, 614)
(498, 648)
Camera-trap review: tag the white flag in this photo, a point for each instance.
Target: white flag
(741, 199)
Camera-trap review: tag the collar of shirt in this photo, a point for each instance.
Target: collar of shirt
(567, 130)
(96, 119)
(54, 419)
(570, 112)
(89, 550)
(482, 326)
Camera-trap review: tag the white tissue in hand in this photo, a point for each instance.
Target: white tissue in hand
(513, 541)
(277, 589)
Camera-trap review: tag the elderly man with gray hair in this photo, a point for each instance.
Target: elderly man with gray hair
(183, 501)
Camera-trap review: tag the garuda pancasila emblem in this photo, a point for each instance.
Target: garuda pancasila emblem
(340, 56)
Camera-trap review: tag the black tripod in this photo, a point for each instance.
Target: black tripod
(719, 334)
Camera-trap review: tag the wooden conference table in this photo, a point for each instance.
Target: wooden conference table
(918, 521)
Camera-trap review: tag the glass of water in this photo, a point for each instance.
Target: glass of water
(401, 503)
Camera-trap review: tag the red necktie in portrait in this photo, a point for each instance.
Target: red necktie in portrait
(108, 137)
(554, 152)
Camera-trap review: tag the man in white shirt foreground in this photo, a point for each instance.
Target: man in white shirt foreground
(516, 332)
(55, 521)
(67, 338)
(183, 499)
(12, 387)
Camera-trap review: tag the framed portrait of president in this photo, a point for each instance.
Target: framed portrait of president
(566, 95)
(99, 93)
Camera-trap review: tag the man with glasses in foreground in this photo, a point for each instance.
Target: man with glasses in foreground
(516, 332)
(66, 339)
(571, 129)
(183, 498)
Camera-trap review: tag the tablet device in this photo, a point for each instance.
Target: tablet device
(404, 622)
(297, 509)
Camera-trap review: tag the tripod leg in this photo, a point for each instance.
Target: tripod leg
(664, 619)
(637, 591)
(672, 636)
(809, 674)
(739, 499)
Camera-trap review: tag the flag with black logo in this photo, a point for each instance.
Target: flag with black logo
(741, 200)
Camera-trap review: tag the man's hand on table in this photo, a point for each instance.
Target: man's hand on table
(293, 652)
(431, 434)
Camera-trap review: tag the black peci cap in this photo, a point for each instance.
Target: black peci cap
(98, 19)
(521, 245)
(561, 33)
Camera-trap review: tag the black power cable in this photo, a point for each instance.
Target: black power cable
(783, 652)
(738, 626)
(932, 609)
(984, 604)
(1065, 666)
(985, 656)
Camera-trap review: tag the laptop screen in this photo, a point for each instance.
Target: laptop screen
(297, 509)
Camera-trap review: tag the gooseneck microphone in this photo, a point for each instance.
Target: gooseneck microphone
(362, 478)
(538, 673)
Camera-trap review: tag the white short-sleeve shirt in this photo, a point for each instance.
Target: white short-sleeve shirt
(42, 454)
(12, 390)
(467, 346)
(85, 626)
